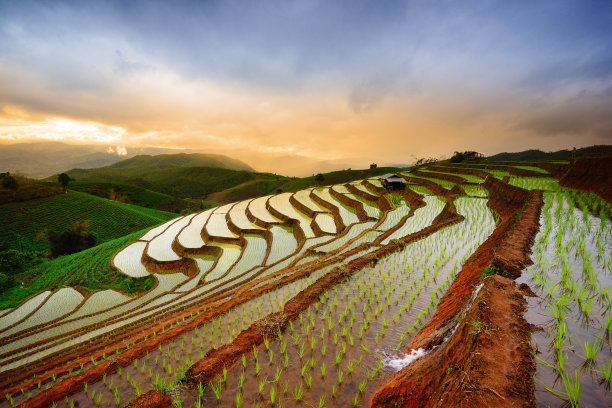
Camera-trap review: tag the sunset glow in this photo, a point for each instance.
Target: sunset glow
(329, 81)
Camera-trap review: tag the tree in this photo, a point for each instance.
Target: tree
(319, 178)
(73, 240)
(458, 157)
(8, 181)
(64, 179)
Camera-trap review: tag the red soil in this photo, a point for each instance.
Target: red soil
(486, 363)
(493, 369)
(151, 399)
(435, 188)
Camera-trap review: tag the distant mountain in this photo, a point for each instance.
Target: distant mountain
(179, 175)
(43, 159)
(529, 155)
(166, 161)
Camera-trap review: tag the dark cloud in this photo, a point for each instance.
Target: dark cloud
(587, 114)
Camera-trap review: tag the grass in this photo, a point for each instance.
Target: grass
(23, 221)
(132, 194)
(89, 269)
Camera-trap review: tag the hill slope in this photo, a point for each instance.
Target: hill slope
(162, 161)
(42, 159)
(130, 194)
(23, 221)
(540, 155)
(179, 175)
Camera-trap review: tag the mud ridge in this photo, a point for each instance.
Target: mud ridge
(478, 345)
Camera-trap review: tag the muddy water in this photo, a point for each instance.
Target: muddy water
(575, 243)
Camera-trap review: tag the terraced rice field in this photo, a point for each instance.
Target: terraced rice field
(226, 273)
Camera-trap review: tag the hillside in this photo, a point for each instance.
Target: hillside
(178, 175)
(272, 184)
(42, 159)
(535, 154)
(163, 161)
(89, 269)
(23, 221)
(130, 194)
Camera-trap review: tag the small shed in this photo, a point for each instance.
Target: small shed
(392, 181)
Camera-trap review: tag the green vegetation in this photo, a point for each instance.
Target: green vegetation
(131, 194)
(23, 221)
(458, 157)
(490, 270)
(396, 200)
(183, 182)
(89, 269)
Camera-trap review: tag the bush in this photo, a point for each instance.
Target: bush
(9, 181)
(74, 240)
(13, 261)
(6, 281)
(458, 157)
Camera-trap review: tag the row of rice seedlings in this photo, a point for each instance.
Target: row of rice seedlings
(532, 168)
(470, 178)
(422, 217)
(532, 183)
(572, 277)
(417, 188)
(475, 191)
(444, 183)
(336, 349)
(164, 367)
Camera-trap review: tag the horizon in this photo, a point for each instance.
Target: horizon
(348, 83)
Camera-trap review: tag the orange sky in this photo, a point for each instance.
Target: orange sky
(388, 85)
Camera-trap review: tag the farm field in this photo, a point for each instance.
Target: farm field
(23, 221)
(338, 295)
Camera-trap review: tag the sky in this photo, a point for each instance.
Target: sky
(347, 81)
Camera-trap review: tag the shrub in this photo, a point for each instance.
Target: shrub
(6, 281)
(74, 240)
(458, 157)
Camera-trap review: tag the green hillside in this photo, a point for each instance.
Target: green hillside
(183, 182)
(162, 161)
(270, 184)
(23, 221)
(90, 269)
(131, 194)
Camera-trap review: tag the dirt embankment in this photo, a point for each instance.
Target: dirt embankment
(590, 174)
(435, 188)
(460, 170)
(478, 347)
(504, 198)
(486, 362)
(439, 176)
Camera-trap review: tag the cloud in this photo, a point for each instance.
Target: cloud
(587, 114)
